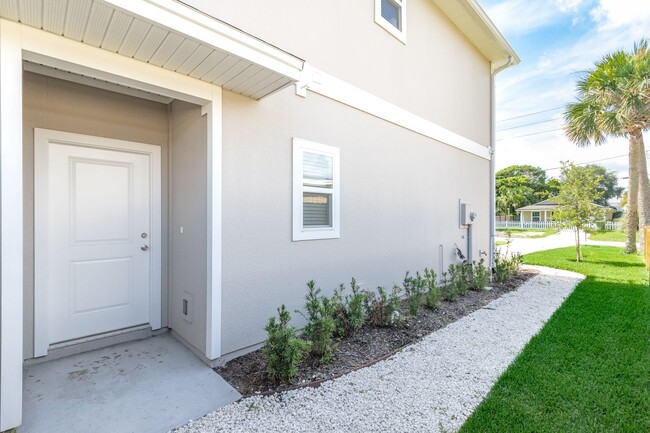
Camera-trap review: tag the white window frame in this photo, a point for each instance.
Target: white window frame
(538, 216)
(399, 34)
(300, 233)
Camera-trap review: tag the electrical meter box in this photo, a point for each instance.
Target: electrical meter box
(467, 214)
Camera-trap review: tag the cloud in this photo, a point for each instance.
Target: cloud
(521, 16)
(612, 14)
(514, 17)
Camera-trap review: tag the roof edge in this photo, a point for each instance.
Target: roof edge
(500, 53)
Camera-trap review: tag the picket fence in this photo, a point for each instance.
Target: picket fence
(608, 225)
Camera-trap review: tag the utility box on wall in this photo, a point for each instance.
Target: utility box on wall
(467, 214)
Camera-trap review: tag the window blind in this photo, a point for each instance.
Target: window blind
(316, 210)
(391, 12)
(317, 170)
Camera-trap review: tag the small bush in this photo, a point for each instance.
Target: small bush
(350, 311)
(383, 308)
(414, 290)
(455, 282)
(283, 351)
(479, 275)
(432, 299)
(321, 324)
(505, 265)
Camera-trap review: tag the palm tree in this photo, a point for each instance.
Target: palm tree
(614, 101)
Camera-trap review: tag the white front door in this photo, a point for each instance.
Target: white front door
(94, 230)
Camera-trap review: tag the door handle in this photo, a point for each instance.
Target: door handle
(144, 247)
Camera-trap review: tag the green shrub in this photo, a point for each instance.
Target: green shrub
(415, 291)
(383, 309)
(455, 282)
(479, 275)
(283, 351)
(433, 294)
(350, 311)
(321, 324)
(505, 265)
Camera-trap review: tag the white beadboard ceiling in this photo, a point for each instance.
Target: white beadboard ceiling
(101, 25)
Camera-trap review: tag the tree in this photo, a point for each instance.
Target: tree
(530, 176)
(579, 191)
(513, 192)
(614, 101)
(608, 185)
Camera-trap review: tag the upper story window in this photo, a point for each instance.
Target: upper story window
(391, 15)
(315, 191)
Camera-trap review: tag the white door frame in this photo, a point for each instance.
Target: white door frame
(19, 42)
(42, 140)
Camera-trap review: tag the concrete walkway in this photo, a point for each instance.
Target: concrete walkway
(147, 386)
(565, 238)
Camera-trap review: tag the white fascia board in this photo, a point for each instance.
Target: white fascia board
(61, 53)
(207, 30)
(11, 227)
(338, 90)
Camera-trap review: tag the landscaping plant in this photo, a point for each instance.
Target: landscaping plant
(383, 308)
(283, 351)
(478, 275)
(321, 324)
(350, 311)
(432, 299)
(505, 265)
(414, 288)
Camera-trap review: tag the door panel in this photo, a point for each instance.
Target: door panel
(99, 205)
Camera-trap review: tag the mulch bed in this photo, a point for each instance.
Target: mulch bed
(368, 346)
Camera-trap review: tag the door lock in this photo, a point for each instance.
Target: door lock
(144, 235)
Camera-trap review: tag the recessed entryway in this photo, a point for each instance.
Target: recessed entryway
(97, 236)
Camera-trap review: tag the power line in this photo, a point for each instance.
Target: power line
(530, 114)
(529, 124)
(597, 160)
(528, 135)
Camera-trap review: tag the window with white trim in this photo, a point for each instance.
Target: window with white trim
(316, 191)
(391, 15)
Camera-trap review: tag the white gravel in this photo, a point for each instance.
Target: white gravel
(433, 385)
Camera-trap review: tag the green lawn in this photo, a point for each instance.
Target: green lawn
(608, 236)
(588, 370)
(518, 232)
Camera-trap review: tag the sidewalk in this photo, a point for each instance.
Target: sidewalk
(565, 238)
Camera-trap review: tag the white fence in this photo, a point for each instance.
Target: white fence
(608, 225)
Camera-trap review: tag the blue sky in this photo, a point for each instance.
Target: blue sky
(556, 40)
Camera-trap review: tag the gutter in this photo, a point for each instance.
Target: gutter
(509, 62)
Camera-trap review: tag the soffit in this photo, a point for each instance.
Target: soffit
(474, 23)
(106, 25)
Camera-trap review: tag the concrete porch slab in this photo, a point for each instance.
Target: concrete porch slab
(146, 386)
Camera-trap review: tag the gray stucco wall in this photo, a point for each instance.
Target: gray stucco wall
(438, 74)
(64, 106)
(188, 260)
(399, 202)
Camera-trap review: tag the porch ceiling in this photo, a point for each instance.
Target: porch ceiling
(257, 70)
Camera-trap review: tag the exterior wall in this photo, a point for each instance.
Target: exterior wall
(188, 260)
(60, 105)
(400, 197)
(438, 74)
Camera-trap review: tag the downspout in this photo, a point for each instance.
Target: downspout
(493, 136)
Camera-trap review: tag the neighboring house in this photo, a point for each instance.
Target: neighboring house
(543, 211)
(189, 166)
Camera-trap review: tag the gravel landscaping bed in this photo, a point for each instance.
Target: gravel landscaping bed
(432, 385)
(370, 344)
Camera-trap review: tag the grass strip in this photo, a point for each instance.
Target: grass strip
(588, 370)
